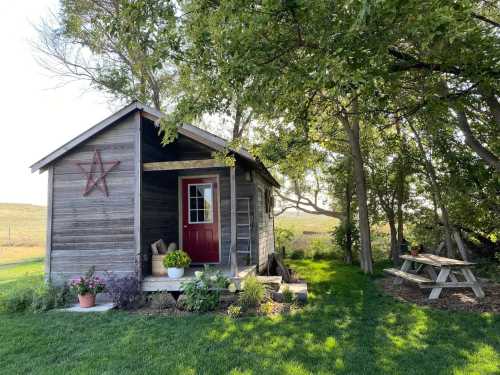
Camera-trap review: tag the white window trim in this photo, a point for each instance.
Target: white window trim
(211, 203)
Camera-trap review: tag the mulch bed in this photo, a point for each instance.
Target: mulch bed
(277, 309)
(450, 299)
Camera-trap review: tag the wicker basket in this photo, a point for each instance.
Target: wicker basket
(158, 268)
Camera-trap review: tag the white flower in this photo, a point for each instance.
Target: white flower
(232, 288)
(213, 278)
(198, 274)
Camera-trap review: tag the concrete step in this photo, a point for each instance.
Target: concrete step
(299, 291)
(272, 282)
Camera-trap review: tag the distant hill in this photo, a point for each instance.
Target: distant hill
(26, 223)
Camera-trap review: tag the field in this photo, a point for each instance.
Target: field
(312, 234)
(22, 232)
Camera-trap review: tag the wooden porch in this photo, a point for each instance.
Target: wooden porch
(164, 283)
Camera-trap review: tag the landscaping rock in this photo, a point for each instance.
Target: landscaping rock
(272, 283)
(299, 291)
(162, 300)
(228, 298)
(181, 302)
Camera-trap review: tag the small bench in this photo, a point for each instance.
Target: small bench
(417, 279)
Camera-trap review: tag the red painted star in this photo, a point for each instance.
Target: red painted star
(96, 176)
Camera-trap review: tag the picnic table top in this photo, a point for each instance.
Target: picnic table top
(436, 260)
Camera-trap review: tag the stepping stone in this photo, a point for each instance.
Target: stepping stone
(99, 308)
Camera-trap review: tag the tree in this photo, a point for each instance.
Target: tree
(123, 48)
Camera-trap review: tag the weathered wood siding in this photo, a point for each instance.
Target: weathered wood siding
(265, 224)
(96, 230)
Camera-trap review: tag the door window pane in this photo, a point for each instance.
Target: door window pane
(200, 203)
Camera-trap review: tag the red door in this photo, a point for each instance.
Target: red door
(200, 219)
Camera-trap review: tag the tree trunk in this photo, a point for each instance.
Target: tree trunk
(394, 239)
(351, 127)
(348, 221)
(463, 124)
(489, 157)
(436, 191)
(492, 102)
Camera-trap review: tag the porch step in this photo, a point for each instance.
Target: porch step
(273, 282)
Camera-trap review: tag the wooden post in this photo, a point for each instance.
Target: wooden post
(233, 255)
(48, 243)
(138, 195)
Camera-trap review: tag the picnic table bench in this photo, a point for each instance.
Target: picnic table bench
(442, 273)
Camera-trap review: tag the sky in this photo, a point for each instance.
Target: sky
(37, 115)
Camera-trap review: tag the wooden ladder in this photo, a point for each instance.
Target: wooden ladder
(243, 228)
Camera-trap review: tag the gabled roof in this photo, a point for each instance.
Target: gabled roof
(199, 135)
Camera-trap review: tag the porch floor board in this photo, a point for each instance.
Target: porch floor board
(164, 283)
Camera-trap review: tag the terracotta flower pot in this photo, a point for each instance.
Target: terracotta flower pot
(86, 300)
(414, 253)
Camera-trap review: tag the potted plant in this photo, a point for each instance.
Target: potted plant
(414, 251)
(87, 287)
(175, 262)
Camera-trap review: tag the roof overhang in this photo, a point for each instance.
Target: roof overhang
(199, 135)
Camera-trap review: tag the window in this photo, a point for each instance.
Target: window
(200, 203)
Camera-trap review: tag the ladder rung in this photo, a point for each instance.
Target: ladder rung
(243, 251)
(241, 225)
(242, 212)
(242, 238)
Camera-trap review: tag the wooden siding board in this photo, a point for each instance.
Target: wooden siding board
(48, 243)
(95, 230)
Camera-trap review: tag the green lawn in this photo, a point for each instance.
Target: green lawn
(348, 327)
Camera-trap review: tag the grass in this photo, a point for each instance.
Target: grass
(348, 327)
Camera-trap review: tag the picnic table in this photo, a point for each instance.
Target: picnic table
(442, 273)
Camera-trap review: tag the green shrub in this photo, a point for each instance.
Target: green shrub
(177, 259)
(43, 298)
(284, 238)
(18, 300)
(267, 308)
(253, 292)
(203, 292)
(234, 311)
(48, 297)
(297, 254)
(288, 296)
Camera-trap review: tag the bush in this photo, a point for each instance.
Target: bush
(267, 308)
(125, 292)
(48, 297)
(253, 292)
(18, 300)
(288, 296)
(234, 311)
(177, 259)
(43, 298)
(203, 293)
(284, 238)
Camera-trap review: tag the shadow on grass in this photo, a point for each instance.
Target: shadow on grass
(348, 327)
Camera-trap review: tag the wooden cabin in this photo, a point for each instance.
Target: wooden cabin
(115, 189)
